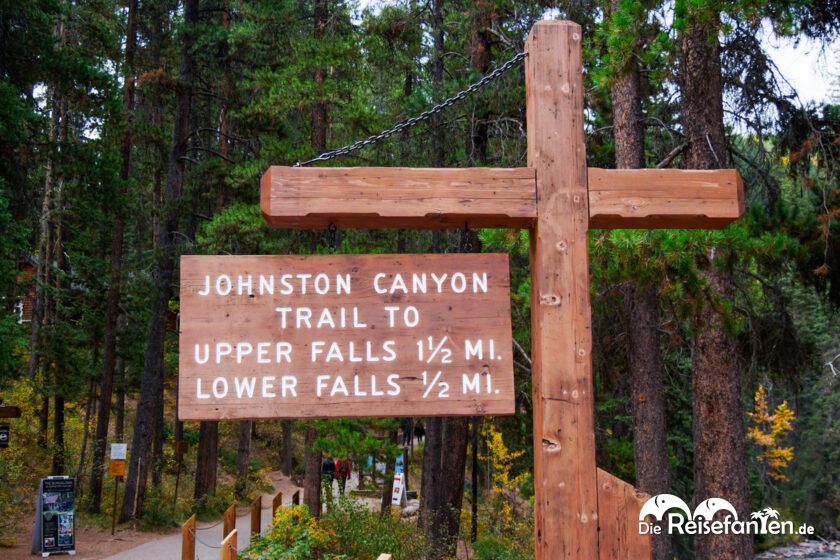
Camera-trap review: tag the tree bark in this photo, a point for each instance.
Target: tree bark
(115, 277)
(319, 107)
(312, 473)
(206, 463)
(719, 439)
(442, 483)
(438, 141)
(480, 58)
(286, 448)
(151, 381)
(642, 311)
(641, 305)
(388, 483)
(243, 457)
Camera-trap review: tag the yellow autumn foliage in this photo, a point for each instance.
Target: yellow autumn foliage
(502, 460)
(768, 430)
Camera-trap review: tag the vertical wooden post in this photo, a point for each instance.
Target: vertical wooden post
(229, 520)
(276, 504)
(228, 551)
(385, 557)
(296, 498)
(256, 518)
(565, 482)
(188, 539)
(114, 512)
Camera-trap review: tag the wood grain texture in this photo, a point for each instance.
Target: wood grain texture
(229, 544)
(566, 502)
(619, 505)
(188, 539)
(387, 197)
(229, 520)
(382, 197)
(664, 198)
(450, 315)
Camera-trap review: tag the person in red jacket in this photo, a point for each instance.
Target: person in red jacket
(342, 473)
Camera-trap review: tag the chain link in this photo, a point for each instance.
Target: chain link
(425, 115)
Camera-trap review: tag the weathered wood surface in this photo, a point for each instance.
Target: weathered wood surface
(383, 197)
(303, 197)
(229, 544)
(256, 517)
(619, 505)
(188, 539)
(229, 520)
(566, 501)
(470, 304)
(664, 198)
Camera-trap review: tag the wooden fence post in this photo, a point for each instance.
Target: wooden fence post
(229, 520)
(256, 518)
(228, 551)
(296, 498)
(276, 504)
(385, 557)
(188, 539)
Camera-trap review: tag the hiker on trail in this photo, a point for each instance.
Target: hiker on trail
(342, 473)
(407, 425)
(327, 477)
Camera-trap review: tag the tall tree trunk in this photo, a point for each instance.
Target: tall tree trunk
(388, 483)
(642, 310)
(442, 483)
(719, 439)
(480, 58)
(151, 381)
(286, 449)
(243, 457)
(312, 473)
(90, 406)
(208, 452)
(319, 107)
(438, 141)
(641, 305)
(115, 276)
(119, 405)
(57, 258)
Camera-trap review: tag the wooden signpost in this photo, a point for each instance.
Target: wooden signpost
(580, 512)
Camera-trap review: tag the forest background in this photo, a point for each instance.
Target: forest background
(132, 132)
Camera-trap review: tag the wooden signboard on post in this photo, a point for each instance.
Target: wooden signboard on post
(579, 510)
(345, 335)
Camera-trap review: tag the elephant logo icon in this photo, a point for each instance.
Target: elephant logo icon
(659, 504)
(708, 508)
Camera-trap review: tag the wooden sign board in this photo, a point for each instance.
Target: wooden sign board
(345, 336)
(9, 411)
(116, 467)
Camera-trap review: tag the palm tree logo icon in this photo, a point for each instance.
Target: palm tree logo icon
(763, 516)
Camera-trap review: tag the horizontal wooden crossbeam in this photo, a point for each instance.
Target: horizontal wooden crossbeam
(664, 198)
(391, 197)
(396, 197)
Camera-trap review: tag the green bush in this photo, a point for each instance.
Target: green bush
(498, 548)
(362, 534)
(350, 531)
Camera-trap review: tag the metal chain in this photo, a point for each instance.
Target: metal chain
(425, 115)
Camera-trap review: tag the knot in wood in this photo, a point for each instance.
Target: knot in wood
(561, 245)
(549, 299)
(550, 446)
